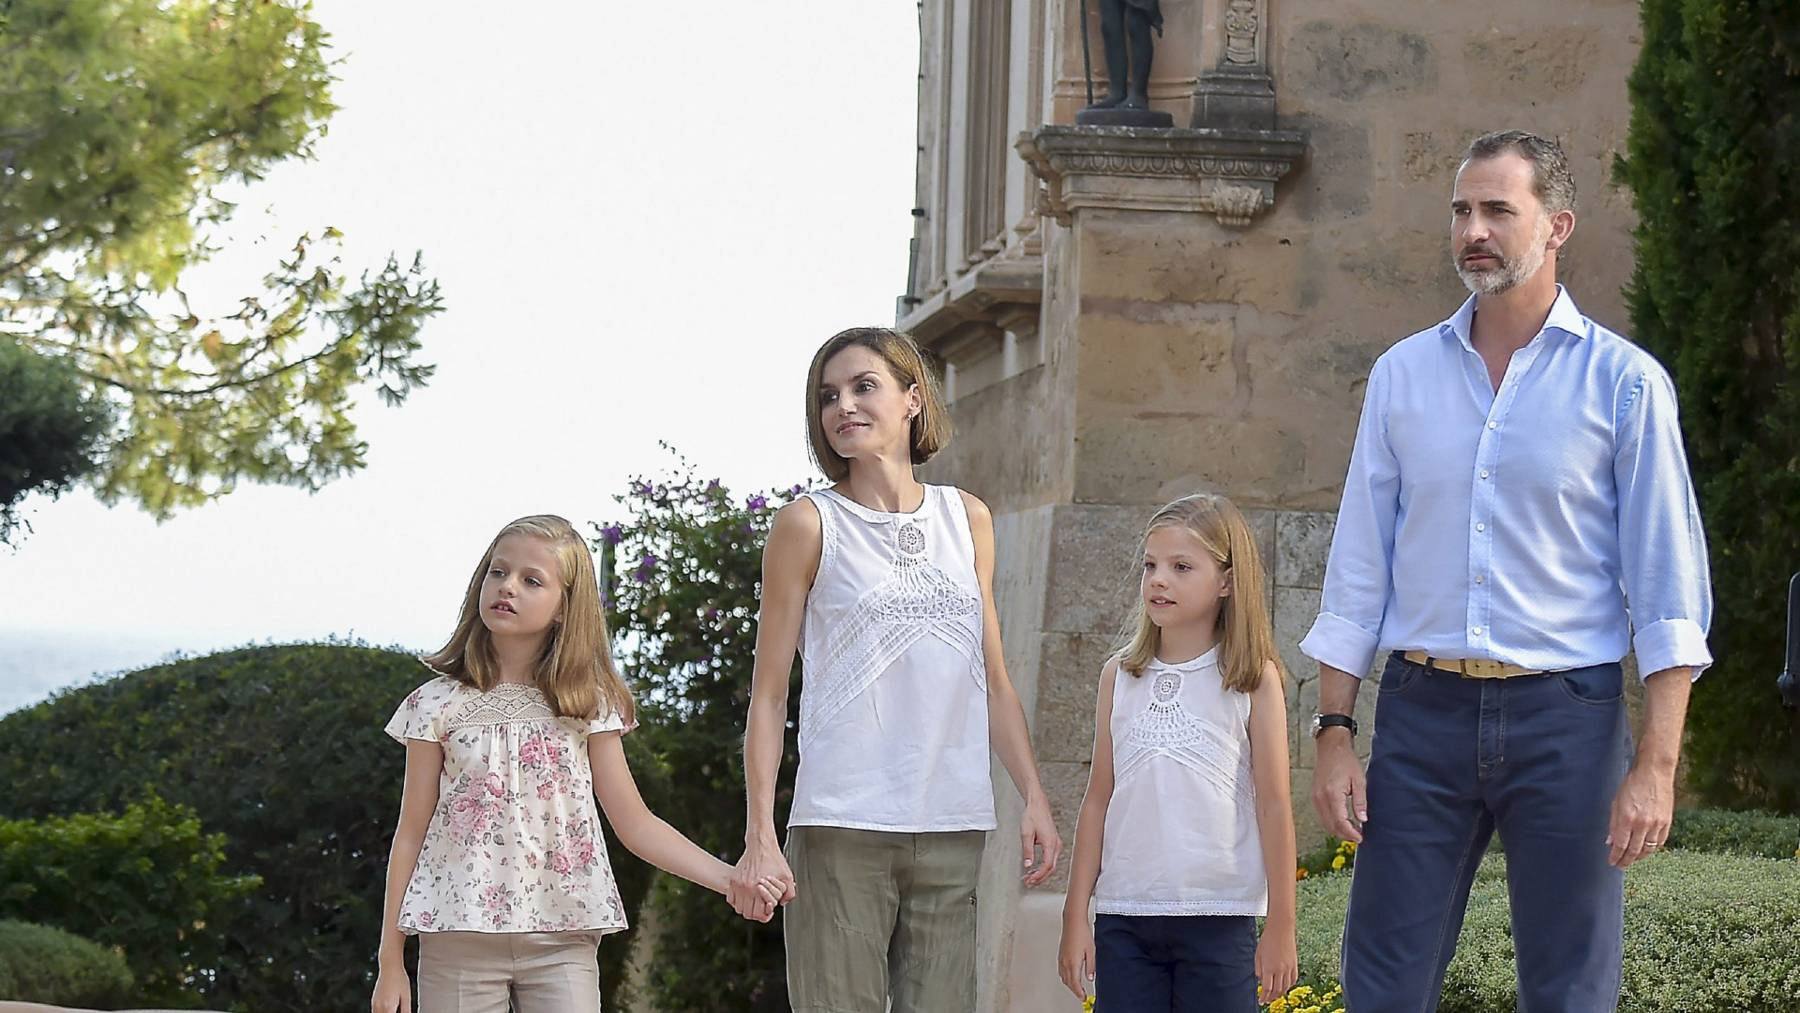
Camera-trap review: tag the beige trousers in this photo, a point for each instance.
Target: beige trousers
(491, 972)
(881, 918)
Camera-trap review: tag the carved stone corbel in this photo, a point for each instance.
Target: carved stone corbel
(1230, 174)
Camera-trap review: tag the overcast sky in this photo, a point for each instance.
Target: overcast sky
(644, 217)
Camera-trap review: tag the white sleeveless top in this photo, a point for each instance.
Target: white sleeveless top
(893, 698)
(1181, 836)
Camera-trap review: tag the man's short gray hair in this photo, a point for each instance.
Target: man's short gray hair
(1551, 180)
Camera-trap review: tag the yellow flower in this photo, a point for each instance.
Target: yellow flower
(1299, 874)
(1087, 1005)
(1338, 862)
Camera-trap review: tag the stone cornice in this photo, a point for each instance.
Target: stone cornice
(983, 294)
(1227, 173)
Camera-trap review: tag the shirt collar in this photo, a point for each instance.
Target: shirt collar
(1564, 317)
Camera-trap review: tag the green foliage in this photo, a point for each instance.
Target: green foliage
(278, 748)
(123, 122)
(146, 881)
(1713, 165)
(50, 429)
(1719, 832)
(1703, 934)
(1332, 856)
(50, 966)
(683, 576)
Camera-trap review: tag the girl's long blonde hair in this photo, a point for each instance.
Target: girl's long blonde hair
(575, 671)
(1246, 636)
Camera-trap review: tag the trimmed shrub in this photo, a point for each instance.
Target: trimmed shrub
(1703, 934)
(1713, 164)
(280, 749)
(683, 579)
(43, 964)
(1720, 832)
(146, 882)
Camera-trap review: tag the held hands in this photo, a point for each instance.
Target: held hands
(760, 881)
(1340, 787)
(1075, 957)
(1277, 961)
(759, 902)
(1038, 830)
(393, 991)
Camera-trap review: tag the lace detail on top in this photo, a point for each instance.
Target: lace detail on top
(918, 599)
(1165, 728)
(504, 704)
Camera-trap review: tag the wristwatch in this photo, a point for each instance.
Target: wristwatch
(1320, 722)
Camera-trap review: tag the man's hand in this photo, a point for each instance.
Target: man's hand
(1641, 814)
(1340, 788)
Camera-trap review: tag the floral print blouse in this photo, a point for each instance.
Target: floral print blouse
(515, 844)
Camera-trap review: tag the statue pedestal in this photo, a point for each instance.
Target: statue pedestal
(1230, 174)
(1120, 117)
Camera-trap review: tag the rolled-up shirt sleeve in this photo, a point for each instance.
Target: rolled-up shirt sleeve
(1359, 570)
(1662, 547)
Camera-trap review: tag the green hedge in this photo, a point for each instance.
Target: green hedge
(1703, 934)
(1720, 832)
(278, 748)
(146, 882)
(43, 964)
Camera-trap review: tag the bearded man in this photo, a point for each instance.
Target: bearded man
(1517, 515)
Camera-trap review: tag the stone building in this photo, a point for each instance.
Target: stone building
(1127, 315)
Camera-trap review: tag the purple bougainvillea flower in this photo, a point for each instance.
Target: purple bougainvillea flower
(757, 503)
(796, 491)
(612, 533)
(712, 485)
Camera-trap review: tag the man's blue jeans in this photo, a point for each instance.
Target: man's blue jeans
(1538, 758)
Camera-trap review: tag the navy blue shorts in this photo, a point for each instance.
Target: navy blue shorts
(1174, 963)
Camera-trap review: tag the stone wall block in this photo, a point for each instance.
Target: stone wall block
(1092, 581)
(1068, 679)
(1330, 59)
(1302, 542)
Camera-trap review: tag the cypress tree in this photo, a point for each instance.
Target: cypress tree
(1713, 163)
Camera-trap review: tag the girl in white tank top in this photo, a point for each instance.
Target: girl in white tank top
(1186, 833)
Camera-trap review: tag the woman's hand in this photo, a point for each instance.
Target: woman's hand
(1038, 830)
(1075, 957)
(393, 991)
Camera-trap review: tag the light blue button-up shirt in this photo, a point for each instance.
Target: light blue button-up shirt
(1540, 524)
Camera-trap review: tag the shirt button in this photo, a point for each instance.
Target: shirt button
(1476, 630)
(1479, 578)
(1481, 527)
(1493, 425)
(1484, 473)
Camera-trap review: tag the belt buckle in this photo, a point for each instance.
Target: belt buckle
(1462, 665)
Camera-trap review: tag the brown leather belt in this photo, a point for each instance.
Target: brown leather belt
(1471, 668)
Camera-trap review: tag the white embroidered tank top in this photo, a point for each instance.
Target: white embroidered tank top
(1181, 835)
(893, 698)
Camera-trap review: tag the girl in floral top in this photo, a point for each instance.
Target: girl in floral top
(498, 863)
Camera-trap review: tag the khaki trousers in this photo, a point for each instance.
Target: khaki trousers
(491, 972)
(879, 916)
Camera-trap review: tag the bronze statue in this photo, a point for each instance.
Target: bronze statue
(1125, 27)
